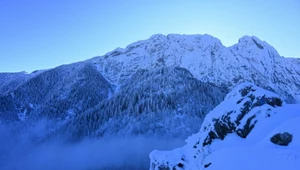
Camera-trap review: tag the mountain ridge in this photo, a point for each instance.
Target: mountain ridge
(208, 60)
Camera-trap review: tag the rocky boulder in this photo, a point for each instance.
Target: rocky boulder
(282, 139)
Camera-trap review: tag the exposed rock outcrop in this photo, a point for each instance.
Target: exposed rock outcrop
(282, 139)
(238, 115)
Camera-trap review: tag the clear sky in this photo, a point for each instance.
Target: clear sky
(40, 34)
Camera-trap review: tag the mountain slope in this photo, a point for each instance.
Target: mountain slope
(145, 104)
(10, 81)
(236, 135)
(55, 93)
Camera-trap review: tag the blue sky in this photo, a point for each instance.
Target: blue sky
(40, 34)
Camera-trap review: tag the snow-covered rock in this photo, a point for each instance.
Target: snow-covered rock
(237, 133)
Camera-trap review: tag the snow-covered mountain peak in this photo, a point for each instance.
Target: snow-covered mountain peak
(211, 40)
(250, 39)
(251, 46)
(173, 42)
(208, 60)
(157, 37)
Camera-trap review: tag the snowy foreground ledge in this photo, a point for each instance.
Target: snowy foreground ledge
(237, 135)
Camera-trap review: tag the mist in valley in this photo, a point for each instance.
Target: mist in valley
(20, 151)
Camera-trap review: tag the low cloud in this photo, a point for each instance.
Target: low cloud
(105, 153)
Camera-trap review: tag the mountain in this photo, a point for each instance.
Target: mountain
(178, 74)
(162, 87)
(251, 129)
(250, 60)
